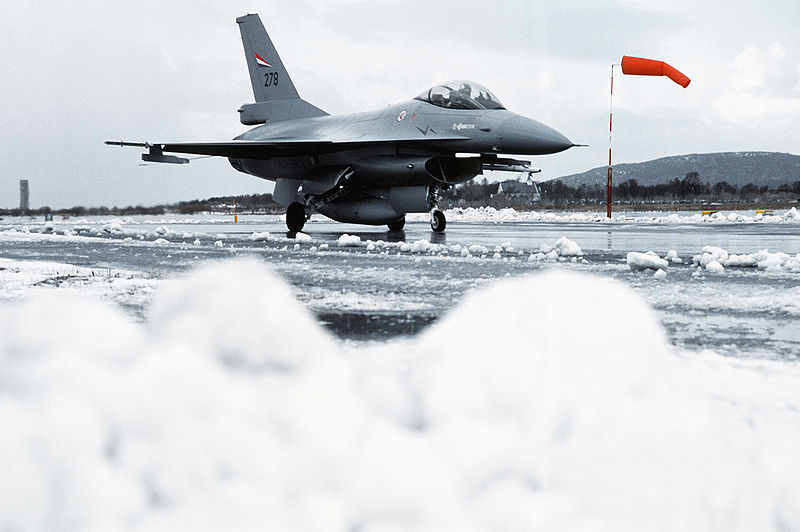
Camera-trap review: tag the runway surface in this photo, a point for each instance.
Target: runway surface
(377, 288)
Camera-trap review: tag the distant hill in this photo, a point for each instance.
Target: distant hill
(737, 168)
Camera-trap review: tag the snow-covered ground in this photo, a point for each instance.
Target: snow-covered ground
(221, 410)
(469, 214)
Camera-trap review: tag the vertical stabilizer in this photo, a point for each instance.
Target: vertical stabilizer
(275, 95)
(267, 73)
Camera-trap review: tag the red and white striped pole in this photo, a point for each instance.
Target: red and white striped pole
(610, 129)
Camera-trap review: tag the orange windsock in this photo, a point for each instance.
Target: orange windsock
(649, 67)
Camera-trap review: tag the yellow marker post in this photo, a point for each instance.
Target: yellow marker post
(235, 217)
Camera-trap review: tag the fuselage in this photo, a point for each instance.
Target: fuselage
(483, 131)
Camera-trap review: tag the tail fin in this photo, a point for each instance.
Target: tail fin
(275, 94)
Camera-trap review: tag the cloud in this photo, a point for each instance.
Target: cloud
(755, 64)
(797, 88)
(763, 86)
(741, 107)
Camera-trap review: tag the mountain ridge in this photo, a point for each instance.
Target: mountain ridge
(737, 168)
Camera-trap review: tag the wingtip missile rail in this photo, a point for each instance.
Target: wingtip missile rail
(155, 152)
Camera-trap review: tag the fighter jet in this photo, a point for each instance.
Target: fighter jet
(367, 168)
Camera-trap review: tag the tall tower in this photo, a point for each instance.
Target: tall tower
(24, 196)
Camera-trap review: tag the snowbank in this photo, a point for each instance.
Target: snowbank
(716, 259)
(492, 215)
(230, 408)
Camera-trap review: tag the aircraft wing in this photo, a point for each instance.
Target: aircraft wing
(267, 149)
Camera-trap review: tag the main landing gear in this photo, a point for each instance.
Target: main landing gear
(295, 217)
(438, 221)
(397, 225)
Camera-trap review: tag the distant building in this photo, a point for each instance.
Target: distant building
(24, 196)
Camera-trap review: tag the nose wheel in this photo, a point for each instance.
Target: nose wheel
(295, 217)
(438, 221)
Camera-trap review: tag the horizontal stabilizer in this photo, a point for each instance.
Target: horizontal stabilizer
(252, 114)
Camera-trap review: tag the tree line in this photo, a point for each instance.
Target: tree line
(689, 189)
(245, 204)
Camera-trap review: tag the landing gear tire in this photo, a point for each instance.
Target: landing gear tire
(397, 225)
(295, 217)
(438, 221)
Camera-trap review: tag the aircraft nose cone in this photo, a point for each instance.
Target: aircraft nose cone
(529, 137)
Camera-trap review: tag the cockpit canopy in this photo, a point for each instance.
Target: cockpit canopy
(461, 95)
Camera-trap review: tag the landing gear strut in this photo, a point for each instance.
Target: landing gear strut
(438, 221)
(295, 217)
(397, 225)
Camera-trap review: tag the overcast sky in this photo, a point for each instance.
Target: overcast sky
(77, 73)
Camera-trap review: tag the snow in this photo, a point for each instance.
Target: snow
(673, 257)
(349, 241)
(19, 279)
(303, 237)
(492, 215)
(567, 248)
(477, 249)
(644, 261)
(778, 262)
(660, 274)
(420, 246)
(712, 254)
(114, 228)
(260, 236)
(714, 267)
(227, 411)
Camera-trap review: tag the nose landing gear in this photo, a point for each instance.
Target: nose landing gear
(438, 221)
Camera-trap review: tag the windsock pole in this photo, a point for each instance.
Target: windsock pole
(610, 129)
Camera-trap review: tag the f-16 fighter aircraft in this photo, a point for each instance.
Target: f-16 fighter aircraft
(368, 168)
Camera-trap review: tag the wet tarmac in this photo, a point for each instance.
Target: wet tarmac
(372, 295)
